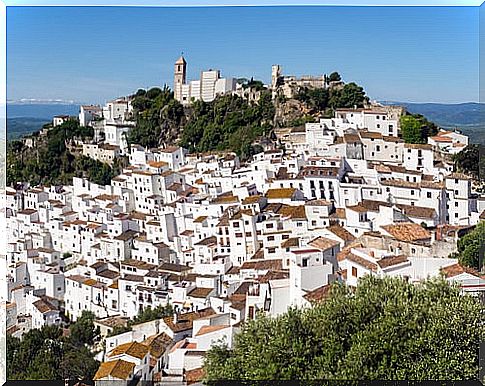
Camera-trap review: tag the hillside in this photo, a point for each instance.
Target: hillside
(53, 161)
(230, 122)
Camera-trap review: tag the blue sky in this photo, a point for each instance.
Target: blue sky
(91, 54)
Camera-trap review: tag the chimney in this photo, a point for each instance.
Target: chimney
(175, 317)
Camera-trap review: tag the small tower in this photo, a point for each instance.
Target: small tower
(275, 74)
(179, 77)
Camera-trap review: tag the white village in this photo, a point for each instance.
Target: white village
(219, 240)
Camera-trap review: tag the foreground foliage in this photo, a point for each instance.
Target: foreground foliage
(47, 354)
(388, 329)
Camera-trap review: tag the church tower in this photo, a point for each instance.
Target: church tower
(179, 77)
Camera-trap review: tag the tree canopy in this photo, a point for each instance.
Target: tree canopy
(351, 95)
(319, 99)
(148, 314)
(385, 329)
(468, 160)
(157, 113)
(51, 162)
(228, 123)
(334, 77)
(415, 128)
(469, 245)
(46, 354)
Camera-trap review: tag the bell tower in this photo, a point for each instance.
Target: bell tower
(180, 72)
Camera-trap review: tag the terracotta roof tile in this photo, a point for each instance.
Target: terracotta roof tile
(407, 232)
(119, 369)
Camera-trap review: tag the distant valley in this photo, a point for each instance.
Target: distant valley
(25, 118)
(468, 117)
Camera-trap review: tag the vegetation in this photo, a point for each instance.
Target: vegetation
(146, 315)
(251, 83)
(468, 160)
(51, 162)
(156, 114)
(314, 98)
(469, 247)
(228, 123)
(322, 100)
(334, 77)
(415, 128)
(117, 330)
(301, 121)
(47, 354)
(386, 329)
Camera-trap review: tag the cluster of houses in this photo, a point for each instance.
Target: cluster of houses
(223, 241)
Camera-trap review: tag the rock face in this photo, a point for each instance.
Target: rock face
(288, 111)
(171, 126)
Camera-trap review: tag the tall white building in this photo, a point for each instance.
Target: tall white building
(206, 88)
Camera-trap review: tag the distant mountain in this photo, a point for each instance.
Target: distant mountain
(18, 127)
(25, 118)
(40, 110)
(468, 117)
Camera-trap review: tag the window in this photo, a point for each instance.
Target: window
(428, 194)
(354, 271)
(270, 238)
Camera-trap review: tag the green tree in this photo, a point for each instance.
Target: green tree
(46, 354)
(467, 160)
(351, 95)
(384, 329)
(415, 128)
(469, 245)
(315, 98)
(411, 129)
(83, 332)
(228, 123)
(148, 314)
(334, 77)
(157, 113)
